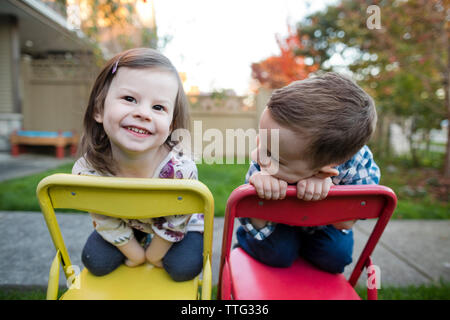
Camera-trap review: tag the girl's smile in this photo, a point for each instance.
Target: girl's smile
(138, 110)
(137, 131)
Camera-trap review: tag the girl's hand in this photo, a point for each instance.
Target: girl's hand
(268, 187)
(157, 250)
(132, 264)
(134, 253)
(313, 188)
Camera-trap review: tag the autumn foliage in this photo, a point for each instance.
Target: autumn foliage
(278, 71)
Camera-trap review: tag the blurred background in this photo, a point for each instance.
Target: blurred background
(232, 54)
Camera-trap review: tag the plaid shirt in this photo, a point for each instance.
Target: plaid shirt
(360, 169)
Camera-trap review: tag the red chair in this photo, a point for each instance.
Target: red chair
(244, 278)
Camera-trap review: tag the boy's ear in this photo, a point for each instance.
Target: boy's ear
(327, 171)
(254, 153)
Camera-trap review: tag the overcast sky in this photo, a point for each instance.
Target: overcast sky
(215, 41)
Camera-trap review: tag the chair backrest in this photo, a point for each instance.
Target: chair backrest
(343, 203)
(129, 198)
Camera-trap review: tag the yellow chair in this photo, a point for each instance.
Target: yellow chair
(127, 198)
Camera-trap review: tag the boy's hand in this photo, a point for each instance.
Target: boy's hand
(268, 187)
(313, 188)
(344, 225)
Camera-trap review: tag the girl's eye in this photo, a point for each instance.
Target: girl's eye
(158, 107)
(129, 99)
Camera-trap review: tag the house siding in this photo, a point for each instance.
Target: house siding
(6, 79)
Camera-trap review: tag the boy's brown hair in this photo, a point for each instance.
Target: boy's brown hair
(331, 111)
(95, 146)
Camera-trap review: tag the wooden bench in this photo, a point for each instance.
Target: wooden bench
(44, 138)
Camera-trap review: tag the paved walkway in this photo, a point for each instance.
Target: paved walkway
(410, 252)
(26, 164)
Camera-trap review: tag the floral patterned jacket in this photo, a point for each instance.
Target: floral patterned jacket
(171, 228)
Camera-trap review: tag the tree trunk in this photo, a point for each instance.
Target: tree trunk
(387, 138)
(447, 152)
(381, 138)
(377, 138)
(412, 146)
(447, 107)
(426, 137)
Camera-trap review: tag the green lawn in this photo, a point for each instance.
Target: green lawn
(423, 292)
(415, 189)
(222, 180)
(20, 194)
(421, 192)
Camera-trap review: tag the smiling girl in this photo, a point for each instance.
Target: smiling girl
(136, 103)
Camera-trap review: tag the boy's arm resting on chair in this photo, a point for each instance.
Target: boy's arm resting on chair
(360, 169)
(317, 188)
(267, 187)
(313, 188)
(271, 188)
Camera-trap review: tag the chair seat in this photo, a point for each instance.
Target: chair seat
(144, 282)
(301, 281)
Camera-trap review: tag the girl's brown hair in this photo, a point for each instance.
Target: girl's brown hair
(95, 146)
(331, 111)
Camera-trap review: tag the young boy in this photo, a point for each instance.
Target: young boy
(323, 125)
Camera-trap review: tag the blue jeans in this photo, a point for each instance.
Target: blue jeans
(328, 249)
(183, 261)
